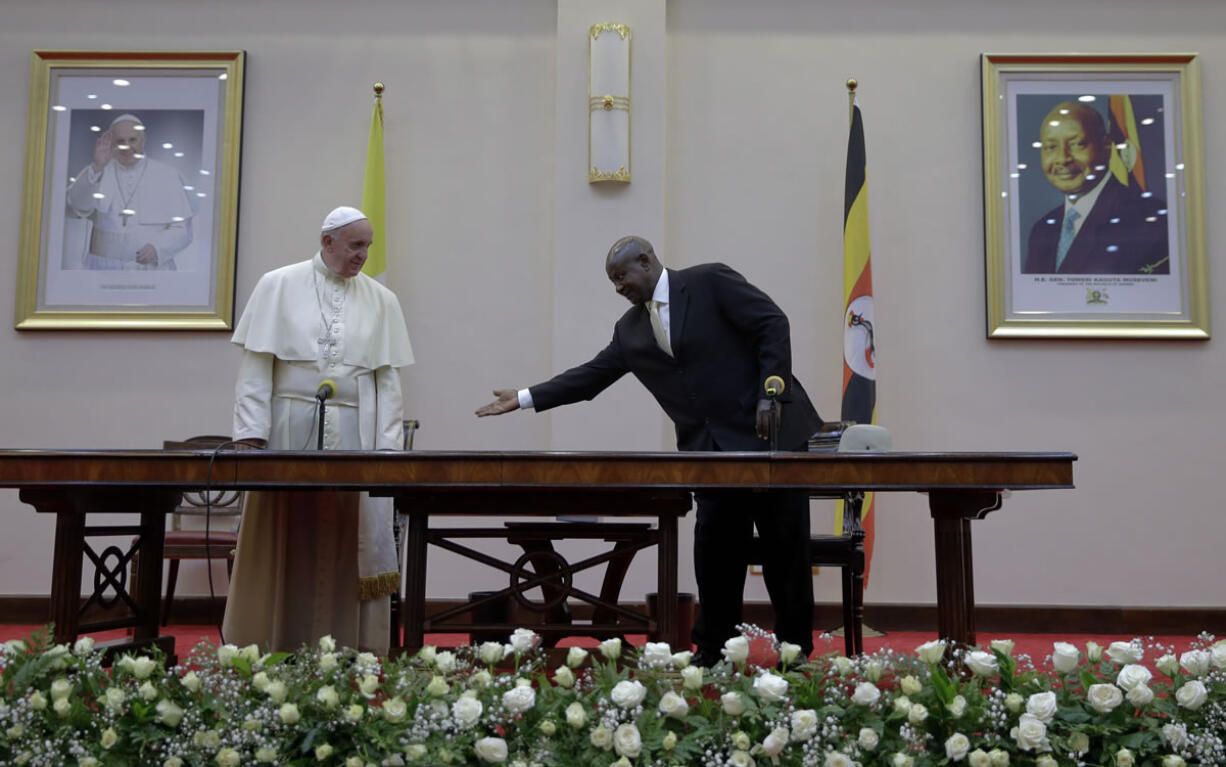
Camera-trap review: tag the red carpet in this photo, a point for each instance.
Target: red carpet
(1037, 646)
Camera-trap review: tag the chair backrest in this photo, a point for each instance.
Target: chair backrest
(411, 425)
(222, 503)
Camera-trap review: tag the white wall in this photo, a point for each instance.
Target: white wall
(480, 119)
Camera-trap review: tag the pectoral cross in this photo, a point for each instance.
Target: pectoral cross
(123, 218)
(325, 345)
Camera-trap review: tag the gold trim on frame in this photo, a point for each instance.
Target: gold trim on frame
(1094, 317)
(228, 66)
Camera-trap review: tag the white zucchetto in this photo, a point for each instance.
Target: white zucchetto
(126, 118)
(342, 216)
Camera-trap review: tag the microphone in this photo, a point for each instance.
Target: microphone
(327, 388)
(774, 386)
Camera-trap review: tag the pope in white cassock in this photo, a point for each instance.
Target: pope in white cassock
(141, 217)
(318, 562)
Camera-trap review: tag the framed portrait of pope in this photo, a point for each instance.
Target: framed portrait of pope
(1093, 196)
(130, 201)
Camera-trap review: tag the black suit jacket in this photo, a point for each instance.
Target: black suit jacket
(727, 337)
(1125, 233)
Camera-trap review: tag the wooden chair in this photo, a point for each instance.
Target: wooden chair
(224, 508)
(845, 551)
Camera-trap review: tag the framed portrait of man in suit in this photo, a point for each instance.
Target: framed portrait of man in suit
(1093, 196)
(131, 190)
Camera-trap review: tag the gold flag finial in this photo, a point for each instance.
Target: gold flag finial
(851, 98)
(378, 90)
(851, 84)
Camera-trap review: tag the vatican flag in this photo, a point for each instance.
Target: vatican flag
(373, 192)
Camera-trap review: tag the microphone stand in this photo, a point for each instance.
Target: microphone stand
(774, 427)
(319, 437)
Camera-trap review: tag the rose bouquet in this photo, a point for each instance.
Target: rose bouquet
(502, 703)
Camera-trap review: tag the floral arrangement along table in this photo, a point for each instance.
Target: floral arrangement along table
(497, 703)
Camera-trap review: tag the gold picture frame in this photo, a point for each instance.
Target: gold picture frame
(130, 206)
(1093, 196)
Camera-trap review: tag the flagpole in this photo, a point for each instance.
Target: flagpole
(851, 98)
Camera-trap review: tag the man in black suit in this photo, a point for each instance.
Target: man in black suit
(703, 341)
(1102, 226)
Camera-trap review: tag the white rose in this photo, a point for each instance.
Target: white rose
(910, 685)
(733, 703)
(741, 741)
(656, 655)
(771, 688)
(1173, 760)
(957, 746)
(621, 762)
(367, 659)
(998, 757)
(289, 713)
(1094, 652)
(575, 656)
(169, 713)
(547, 728)
(226, 654)
(956, 707)
(1104, 697)
(1031, 734)
(673, 705)
(1140, 695)
(466, 711)
(1125, 652)
(109, 737)
(1195, 662)
(1046, 761)
(277, 691)
(519, 699)
(1065, 657)
(427, 654)
(1079, 743)
(210, 739)
(917, 714)
(670, 741)
(437, 687)
(354, 761)
(250, 653)
(142, 667)
(1002, 646)
(261, 681)
(491, 750)
(394, 709)
(445, 661)
(88, 761)
(60, 688)
(113, 698)
(147, 691)
(866, 694)
(63, 707)
(1132, 675)
(804, 724)
(490, 652)
(868, 738)
(740, 759)
(327, 661)
(628, 693)
(843, 666)
(576, 715)
(683, 659)
(1192, 695)
(789, 653)
(83, 646)
(1217, 652)
(902, 704)
(691, 677)
(354, 713)
(601, 738)
(481, 679)
(1014, 702)
(872, 671)
(836, 759)
(564, 677)
(931, 652)
(191, 681)
(1125, 758)
(523, 640)
(1042, 705)
(327, 643)
(982, 663)
(265, 755)
(627, 741)
(227, 757)
(327, 696)
(1167, 664)
(611, 649)
(902, 760)
(1175, 735)
(736, 649)
(774, 742)
(979, 758)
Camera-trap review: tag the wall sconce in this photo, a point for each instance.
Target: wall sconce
(608, 95)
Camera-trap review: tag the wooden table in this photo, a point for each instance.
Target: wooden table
(72, 485)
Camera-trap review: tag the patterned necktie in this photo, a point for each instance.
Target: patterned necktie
(1067, 233)
(657, 327)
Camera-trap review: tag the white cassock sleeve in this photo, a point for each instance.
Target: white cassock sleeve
(390, 409)
(253, 396)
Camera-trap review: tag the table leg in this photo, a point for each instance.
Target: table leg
(666, 582)
(414, 609)
(952, 513)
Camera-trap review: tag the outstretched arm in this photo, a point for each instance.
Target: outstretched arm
(506, 401)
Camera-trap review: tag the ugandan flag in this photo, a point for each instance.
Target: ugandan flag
(859, 345)
(373, 202)
(1126, 157)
